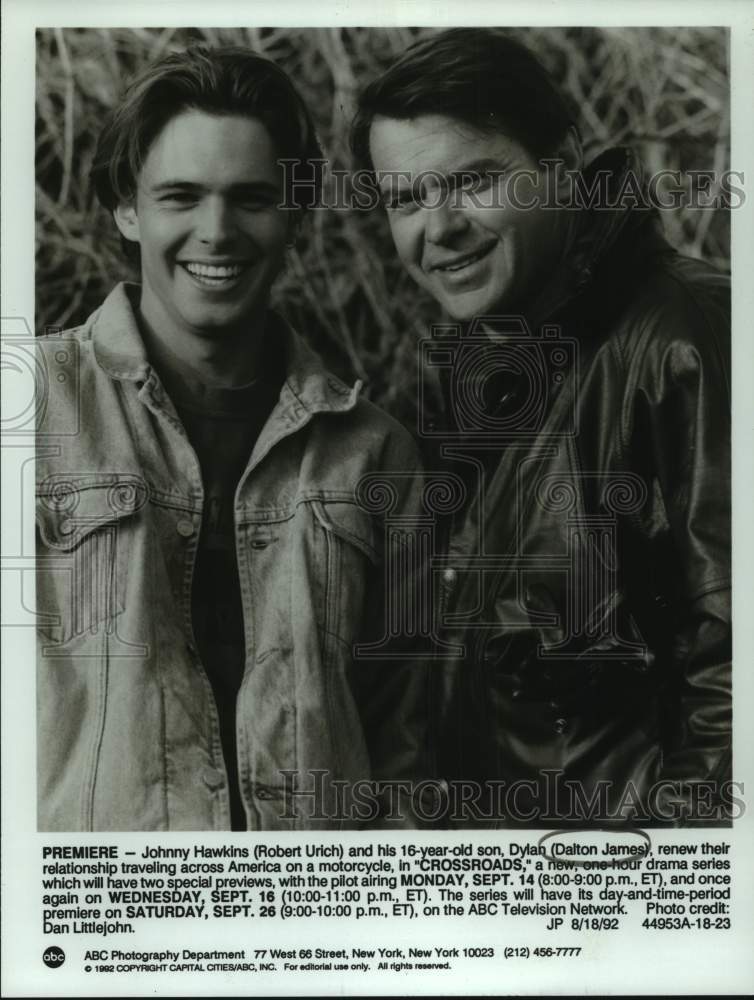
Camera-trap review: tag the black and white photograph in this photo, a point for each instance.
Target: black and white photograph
(373, 399)
(207, 553)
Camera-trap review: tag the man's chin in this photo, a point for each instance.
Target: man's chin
(465, 312)
(216, 322)
(212, 328)
(463, 307)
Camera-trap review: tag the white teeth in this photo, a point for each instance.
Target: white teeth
(221, 271)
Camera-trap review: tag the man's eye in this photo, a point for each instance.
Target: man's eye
(178, 198)
(478, 181)
(402, 202)
(258, 202)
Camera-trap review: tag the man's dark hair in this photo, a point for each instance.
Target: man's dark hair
(222, 81)
(480, 76)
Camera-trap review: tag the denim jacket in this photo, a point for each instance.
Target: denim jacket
(128, 734)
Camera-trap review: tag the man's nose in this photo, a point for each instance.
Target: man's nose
(443, 222)
(215, 222)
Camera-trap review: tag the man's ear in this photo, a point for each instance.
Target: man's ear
(127, 221)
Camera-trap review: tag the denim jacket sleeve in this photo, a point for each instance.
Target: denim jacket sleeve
(389, 680)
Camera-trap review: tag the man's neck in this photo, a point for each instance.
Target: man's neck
(227, 359)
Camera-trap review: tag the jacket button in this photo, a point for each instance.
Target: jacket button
(213, 778)
(560, 726)
(260, 543)
(449, 577)
(185, 528)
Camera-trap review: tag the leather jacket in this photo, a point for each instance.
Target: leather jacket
(128, 733)
(588, 580)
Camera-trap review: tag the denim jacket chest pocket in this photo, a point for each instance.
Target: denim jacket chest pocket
(328, 550)
(84, 532)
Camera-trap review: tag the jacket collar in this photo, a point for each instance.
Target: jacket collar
(627, 209)
(308, 388)
(595, 231)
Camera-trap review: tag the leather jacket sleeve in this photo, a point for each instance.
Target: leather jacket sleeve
(679, 421)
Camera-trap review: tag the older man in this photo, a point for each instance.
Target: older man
(587, 411)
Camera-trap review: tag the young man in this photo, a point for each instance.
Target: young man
(204, 566)
(588, 411)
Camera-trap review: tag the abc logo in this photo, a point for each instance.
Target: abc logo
(53, 957)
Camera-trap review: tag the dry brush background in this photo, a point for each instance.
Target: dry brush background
(663, 90)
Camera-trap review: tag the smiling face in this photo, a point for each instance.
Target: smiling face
(211, 238)
(461, 239)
